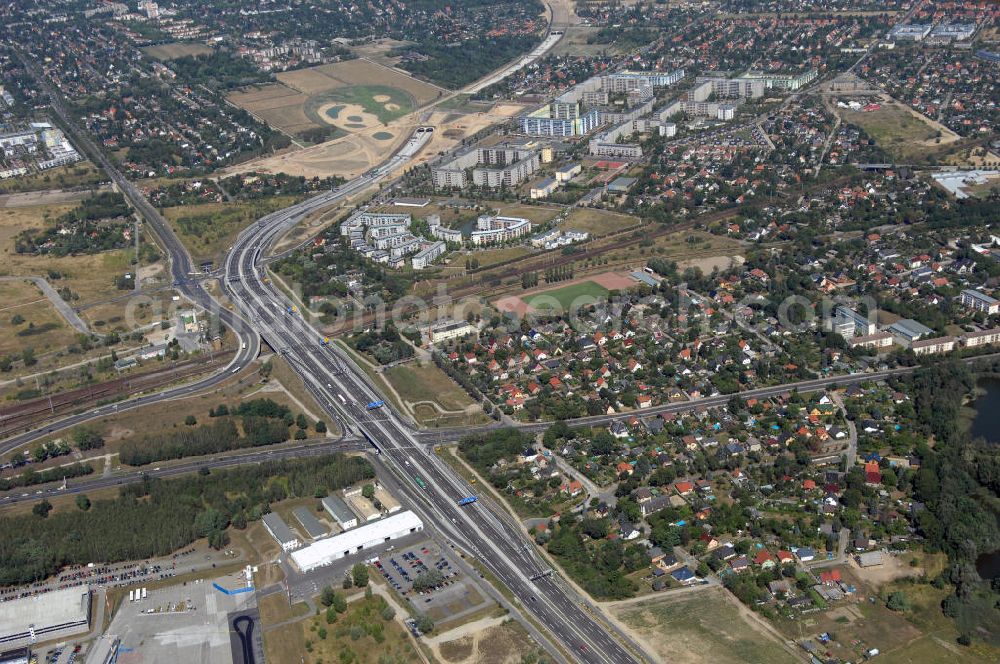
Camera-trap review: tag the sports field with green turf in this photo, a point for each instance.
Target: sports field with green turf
(567, 297)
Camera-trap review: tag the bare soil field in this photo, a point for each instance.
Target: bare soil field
(279, 106)
(176, 50)
(702, 627)
(365, 72)
(378, 51)
(349, 156)
(706, 265)
(484, 642)
(48, 197)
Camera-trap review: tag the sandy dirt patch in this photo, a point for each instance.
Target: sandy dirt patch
(308, 81)
(149, 272)
(381, 98)
(891, 569)
(350, 156)
(612, 280)
(706, 265)
(391, 107)
(49, 197)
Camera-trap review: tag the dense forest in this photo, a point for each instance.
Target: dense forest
(959, 485)
(457, 64)
(156, 517)
(217, 70)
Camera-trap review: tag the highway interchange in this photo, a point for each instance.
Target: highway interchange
(402, 454)
(338, 385)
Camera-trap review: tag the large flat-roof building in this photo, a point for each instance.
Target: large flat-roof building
(906, 330)
(863, 326)
(582, 109)
(727, 88)
(981, 338)
(450, 329)
(910, 31)
(49, 616)
(543, 189)
(16, 656)
(877, 340)
(279, 530)
(327, 551)
(493, 167)
(428, 254)
(498, 229)
(933, 346)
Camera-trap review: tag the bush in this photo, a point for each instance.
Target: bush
(86, 438)
(388, 613)
(424, 624)
(359, 573)
(897, 601)
(190, 420)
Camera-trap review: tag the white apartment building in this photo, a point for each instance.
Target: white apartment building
(979, 301)
(493, 230)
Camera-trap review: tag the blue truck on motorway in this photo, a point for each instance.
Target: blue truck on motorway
(467, 501)
(375, 404)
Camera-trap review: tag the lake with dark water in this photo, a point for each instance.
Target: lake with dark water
(986, 425)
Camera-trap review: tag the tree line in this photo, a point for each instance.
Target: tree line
(155, 517)
(264, 422)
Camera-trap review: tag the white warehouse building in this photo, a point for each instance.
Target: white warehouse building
(325, 551)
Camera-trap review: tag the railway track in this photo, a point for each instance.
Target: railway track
(30, 414)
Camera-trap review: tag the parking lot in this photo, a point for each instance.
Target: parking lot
(452, 597)
(401, 568)
(63, 655)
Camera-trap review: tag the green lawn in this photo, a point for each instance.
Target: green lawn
(427, 383)
(579, 294)
(364, 96)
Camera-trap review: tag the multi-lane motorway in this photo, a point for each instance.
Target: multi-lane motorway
(502, 548)
(496, 542)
